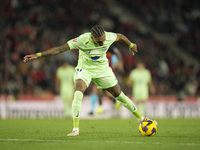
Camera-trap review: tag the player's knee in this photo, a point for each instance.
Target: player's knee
(80, 85)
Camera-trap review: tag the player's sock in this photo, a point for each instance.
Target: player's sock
(94, 99)
(76, 108)
(129, 105)
(76, 123)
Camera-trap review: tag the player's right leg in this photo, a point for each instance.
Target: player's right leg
(82, 79)
(80, 87)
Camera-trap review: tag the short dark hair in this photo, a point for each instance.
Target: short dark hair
(97, 31)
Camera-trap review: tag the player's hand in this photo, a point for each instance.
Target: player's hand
(133, 49)
(30, 57)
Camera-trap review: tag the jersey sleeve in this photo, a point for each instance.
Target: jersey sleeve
(73, 43)
(112, 36)
(77, 43)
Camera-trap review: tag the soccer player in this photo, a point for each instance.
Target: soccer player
(141, 81)
(93, 65)
(65, 85)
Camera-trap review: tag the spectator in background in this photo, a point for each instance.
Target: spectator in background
(29, 26)
(141, 81)
(65, 85)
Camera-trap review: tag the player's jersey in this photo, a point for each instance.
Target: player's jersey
(65, 75)
(140, 79)
(91, 55)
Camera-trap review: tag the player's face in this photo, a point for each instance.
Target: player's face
(99, 40)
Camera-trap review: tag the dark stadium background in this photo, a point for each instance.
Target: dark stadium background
(167, 33)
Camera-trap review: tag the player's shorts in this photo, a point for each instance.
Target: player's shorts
(103, 77)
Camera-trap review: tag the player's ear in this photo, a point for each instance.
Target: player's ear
(93, 39)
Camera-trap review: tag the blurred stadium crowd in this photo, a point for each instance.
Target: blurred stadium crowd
(32, 26)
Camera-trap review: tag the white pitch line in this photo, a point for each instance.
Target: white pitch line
(122, 142)
(31, 140)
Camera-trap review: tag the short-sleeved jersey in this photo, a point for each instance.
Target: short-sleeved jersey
(65, 75)
(92, 55)
(140, 79)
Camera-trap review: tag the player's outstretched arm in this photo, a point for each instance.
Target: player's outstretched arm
(49, 52)
(132, 46)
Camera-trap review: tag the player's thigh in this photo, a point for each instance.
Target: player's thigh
(82, 79)
(105, 78)
(108, 94)
(115, 90)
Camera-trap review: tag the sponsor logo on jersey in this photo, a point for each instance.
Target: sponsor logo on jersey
(95, 57)
(75, 40)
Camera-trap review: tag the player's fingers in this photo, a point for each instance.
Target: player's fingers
(25, 60)
(135, 47)
(31, 58)
(26, 56)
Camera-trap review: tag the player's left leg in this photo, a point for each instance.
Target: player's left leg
(116, 103)
(107, 80)
(116, 92)
(120, 96)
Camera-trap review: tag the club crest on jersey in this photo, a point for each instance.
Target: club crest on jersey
(104, 48)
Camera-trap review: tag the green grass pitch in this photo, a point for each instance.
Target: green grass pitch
(111, 134)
